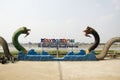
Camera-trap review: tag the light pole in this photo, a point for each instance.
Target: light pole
(57, 41)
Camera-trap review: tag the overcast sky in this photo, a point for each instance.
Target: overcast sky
(60, 19)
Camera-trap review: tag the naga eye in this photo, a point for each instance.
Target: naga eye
(90, 30)
(25, 28)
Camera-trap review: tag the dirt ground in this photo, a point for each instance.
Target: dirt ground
(63, 70)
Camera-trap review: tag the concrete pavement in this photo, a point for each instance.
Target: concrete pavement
(64, 70)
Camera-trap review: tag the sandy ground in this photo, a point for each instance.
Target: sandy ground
(75, 70)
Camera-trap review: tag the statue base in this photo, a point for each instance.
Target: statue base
(45, 56)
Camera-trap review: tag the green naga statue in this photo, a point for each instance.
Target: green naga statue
(17, 33)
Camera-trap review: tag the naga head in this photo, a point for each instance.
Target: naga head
(25, 31)
(88, 31)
